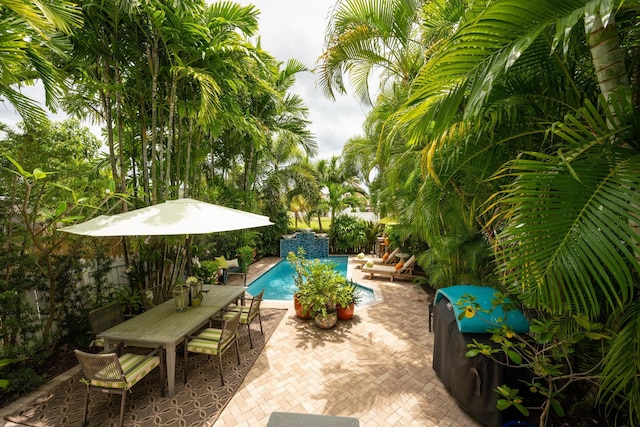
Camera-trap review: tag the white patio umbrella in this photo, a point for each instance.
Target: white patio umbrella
(181, 216)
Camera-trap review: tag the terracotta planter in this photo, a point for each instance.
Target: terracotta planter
(326, 322)
(302, 313)
(345, 313)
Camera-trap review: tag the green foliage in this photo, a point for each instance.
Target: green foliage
(206, 270)
(552, 353)
(21, 379)
(348, 294)
(37, 257)
(510, 397)
(129, 298)
(374, 230)
(348, 234)
(5, 383)
(245, 255)
(319, 285)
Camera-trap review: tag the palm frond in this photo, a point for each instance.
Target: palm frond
(620, 380)
(584, 257)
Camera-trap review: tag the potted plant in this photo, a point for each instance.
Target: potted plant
(245, 257)
(130, 299)
(318, 287)
(347, 298)
(297, 262)
(324, 286)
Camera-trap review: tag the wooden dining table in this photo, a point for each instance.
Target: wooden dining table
(164, 326)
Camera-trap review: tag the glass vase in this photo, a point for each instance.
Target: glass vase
(180, 297)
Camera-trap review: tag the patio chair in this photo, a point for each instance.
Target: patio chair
(117, 375)
(391, 271)
(248, 313)
(104, 318)
(390, 259)
(214, 342)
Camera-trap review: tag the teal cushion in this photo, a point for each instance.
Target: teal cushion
(481, 322)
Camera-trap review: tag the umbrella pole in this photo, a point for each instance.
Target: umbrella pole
(188, 254)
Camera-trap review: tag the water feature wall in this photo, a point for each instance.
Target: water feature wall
(315, 245)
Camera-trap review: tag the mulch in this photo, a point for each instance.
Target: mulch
(197, 403)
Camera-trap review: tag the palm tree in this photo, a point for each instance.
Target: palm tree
(367, 39)
(32, 39)
(474, 149)
(467, 111)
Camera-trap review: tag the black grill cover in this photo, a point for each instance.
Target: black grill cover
(471, 381)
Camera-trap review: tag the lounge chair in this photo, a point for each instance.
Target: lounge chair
(404, 272)
(391, 259)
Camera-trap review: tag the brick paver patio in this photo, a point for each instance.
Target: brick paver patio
(376, 367)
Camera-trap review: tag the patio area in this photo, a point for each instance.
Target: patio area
(376, 367)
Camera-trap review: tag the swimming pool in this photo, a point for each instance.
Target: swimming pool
(278, 283)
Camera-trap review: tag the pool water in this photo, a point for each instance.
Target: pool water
(278, 282)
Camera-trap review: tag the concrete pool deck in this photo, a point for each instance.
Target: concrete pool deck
(376, 367)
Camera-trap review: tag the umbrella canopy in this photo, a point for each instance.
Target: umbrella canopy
(182, 216)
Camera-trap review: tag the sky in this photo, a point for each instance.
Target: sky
(287, 29)
(295, 29)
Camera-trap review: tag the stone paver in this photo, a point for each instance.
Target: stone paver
(376, 367)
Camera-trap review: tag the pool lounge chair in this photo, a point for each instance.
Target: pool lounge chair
(391, 259)
(404, 272)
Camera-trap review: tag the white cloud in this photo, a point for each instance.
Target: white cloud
(295, 29)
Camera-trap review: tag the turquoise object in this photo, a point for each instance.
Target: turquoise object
(482, 321)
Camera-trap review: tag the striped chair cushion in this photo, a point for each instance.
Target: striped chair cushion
(135, 368)
(210, 334)
(244, 317)
(207, 341)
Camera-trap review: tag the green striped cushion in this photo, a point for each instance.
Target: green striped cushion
(206, 342)
(244, 317)
(202, 346)
(210, 334)
(135, 368)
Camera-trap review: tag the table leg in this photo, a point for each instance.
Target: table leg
(171, 368)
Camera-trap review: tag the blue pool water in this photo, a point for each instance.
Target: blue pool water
(278, 282)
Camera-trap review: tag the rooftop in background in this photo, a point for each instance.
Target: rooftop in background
(366, 216)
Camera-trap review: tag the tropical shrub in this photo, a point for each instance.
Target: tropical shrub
(348, 234)
(557, 353)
